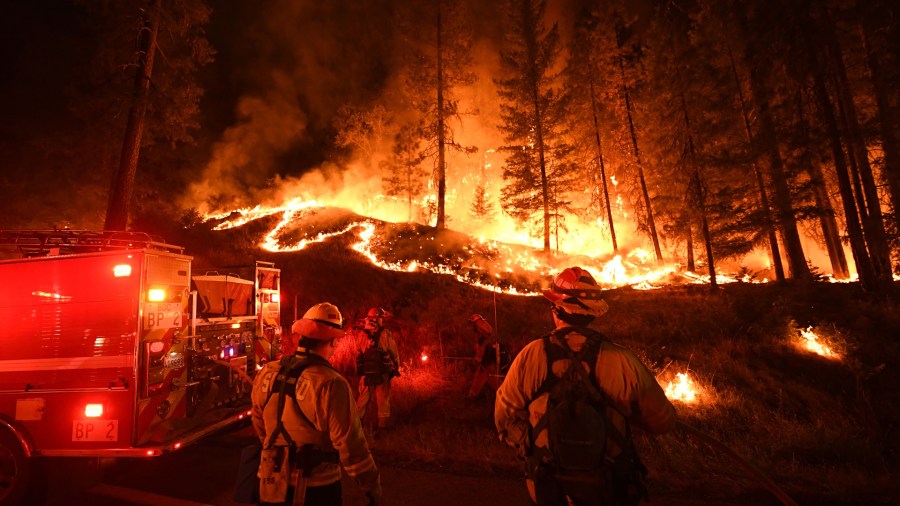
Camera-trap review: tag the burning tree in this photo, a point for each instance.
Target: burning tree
(587, 85)
(361, 128)
(441, 57)
(405, 167)
(537, 163)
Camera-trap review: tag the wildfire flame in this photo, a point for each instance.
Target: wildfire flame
(484, 263)
(682, 388)
(810, 342)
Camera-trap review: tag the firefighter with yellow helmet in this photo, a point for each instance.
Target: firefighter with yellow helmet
(305, 417)
(377, 365)
(588, 458)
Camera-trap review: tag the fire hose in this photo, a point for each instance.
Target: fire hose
(753, 470)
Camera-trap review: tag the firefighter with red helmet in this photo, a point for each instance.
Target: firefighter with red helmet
(377, 365)
(621, 388)
(486, 356)
(305, 417)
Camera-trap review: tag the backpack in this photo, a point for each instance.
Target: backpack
(575, 462)
(374, 364)
(490, 352)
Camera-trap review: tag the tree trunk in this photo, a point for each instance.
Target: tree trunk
(441, 169)
(767, 137)
(774, 251)
(117, 212)
(691, 265)
(651, 224)
(887, 121)
(827, 220)
(854, 229)
(532, 55)
(768, 142)
(700, 195)
(873, 222)
(609, 215)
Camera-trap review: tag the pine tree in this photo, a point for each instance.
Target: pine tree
(168, 109)
(481, 207)
(440, 54)
(405, 167)
(538, 161)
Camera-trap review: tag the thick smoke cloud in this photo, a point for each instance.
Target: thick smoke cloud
(299, 62)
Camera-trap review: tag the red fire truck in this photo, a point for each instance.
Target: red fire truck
(112, 348)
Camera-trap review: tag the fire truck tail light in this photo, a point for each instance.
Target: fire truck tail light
(93, 410)
(276, 297)
(122, 271)
(157, 346)
(156, 295)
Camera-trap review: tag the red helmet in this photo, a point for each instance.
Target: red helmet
(576, 292)
(322, 321)
(376, 312)
(481, 325)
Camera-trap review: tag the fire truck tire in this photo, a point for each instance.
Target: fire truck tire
(15, 470)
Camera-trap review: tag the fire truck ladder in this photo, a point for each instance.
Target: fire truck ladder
(33, 243)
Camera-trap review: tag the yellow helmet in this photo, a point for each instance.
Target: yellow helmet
(322, 321)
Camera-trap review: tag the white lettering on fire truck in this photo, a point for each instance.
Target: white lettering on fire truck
(162, 315)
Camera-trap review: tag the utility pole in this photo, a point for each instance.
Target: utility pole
(123, 187)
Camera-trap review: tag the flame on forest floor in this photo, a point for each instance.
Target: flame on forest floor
(809, 341)
(683, 388)
(496, 260)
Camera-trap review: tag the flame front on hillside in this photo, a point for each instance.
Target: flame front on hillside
(485, 263)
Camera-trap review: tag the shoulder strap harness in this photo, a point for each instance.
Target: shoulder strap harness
(286, 386)
(588, 354)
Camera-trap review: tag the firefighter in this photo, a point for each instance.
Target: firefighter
(377, 365)
(632, 397)
(318, 428)
(485, 356)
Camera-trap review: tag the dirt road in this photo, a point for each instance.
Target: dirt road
(203, 474)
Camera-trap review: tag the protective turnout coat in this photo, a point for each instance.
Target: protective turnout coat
(624, 380)
(382, 393)
(326, 400)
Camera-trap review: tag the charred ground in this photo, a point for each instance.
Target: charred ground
(827, 431)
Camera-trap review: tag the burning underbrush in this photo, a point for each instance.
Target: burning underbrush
(825, 428)
(412, 247)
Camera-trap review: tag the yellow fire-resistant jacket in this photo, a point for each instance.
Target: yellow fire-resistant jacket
(325, 397)
(621, 376)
